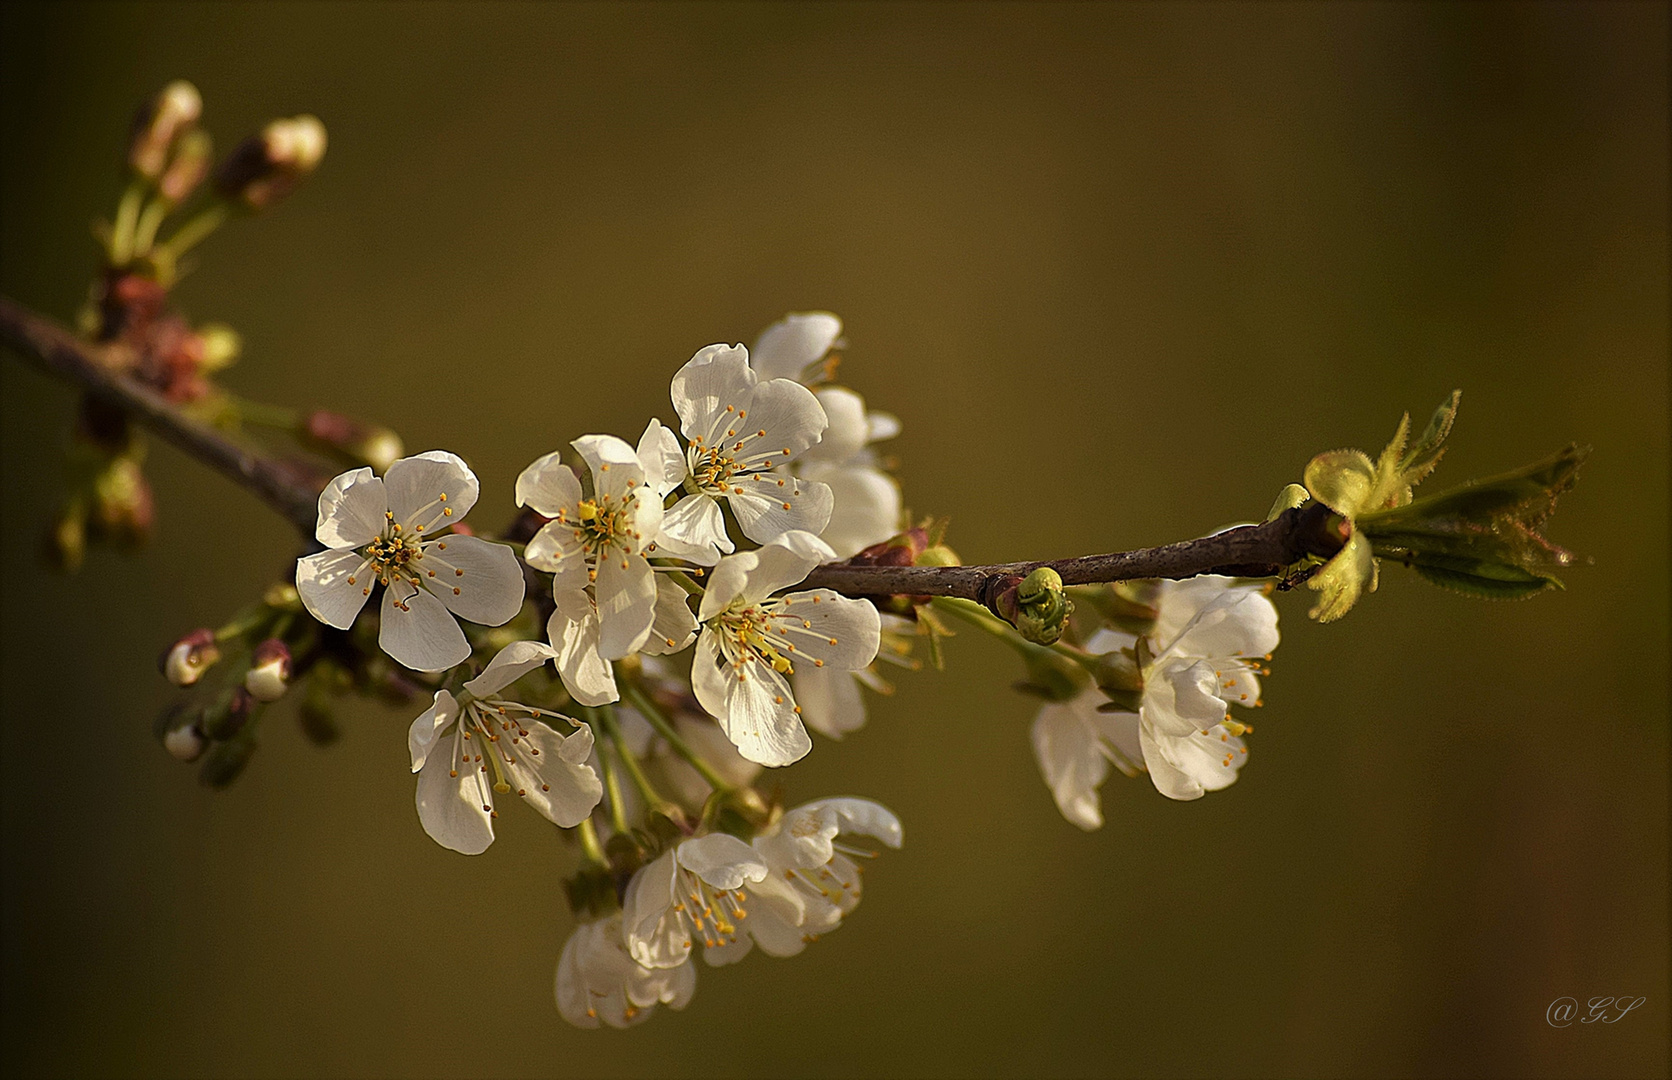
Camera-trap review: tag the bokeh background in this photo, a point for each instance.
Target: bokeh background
(1121, 270)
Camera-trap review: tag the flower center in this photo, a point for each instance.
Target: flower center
(489, 734)
(718, 458)
(706, 912)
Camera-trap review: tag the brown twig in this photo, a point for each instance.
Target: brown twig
(99, 370)
(1249, 551)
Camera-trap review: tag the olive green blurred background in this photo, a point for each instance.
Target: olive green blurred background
(1121, 270)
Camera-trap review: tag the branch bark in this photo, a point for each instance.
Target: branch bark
(1249, 551)
(100, 371)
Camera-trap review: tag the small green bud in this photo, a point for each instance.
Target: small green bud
(1042, 610)
(1054, 678)
(221, 346)
(318, 720)
(590, 890)
(359, 442)
(66, 541)
(1290, 497)
(225, 761)
(1118, 671)
(938, 555)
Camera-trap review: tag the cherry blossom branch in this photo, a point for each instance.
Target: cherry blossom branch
(1246, 551)
(1249, 551)
(100, 370)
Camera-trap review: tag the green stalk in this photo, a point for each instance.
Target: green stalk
(612, 778)
(629, 760)
(191, 234)
(145, 233)
(122, 232)
(975, 615)
(633, 694)
(589, 843)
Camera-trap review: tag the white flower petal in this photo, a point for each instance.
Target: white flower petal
(549, 773)
(674, 626)
(865, 507)
(792, 344)
(785, 561)
(662, 460)
(322, 583)
(508, 665)
(615, 465)
(549, 487)
(415, 483)
(597, 980)
(801, 839)
(1237, 622)
(715, 377)
(490, 589)
(1186, 768)
(455, 810)
(693, 529)
(417, 630)
(1073, 766)
(880, 426)
(351, 510)
(848, 431)
(655, 935)
(754, 706)
(830, 700)
(626, 604)
(573, 630)
(828, 630)
(420, 738)
(861, 817)
(721, 860)
(766, 511)
(784, 420)
(726, 583)
(557, 550)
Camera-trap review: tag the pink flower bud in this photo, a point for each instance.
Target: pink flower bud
(159, 123)
(187, 659)
(265, 168)
(269, 674)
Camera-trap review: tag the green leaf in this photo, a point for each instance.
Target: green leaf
(1487, 587)
(1425, 453)
(1341, 479)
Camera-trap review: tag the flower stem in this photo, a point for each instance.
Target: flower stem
(973, 613)
(629, 760)
(262, 414)
(145, 233)
(122, 231)
(634, 695)
(191, 234)
(612, 778)
(589, 843)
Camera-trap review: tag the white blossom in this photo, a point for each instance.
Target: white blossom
(597, 542)
(830, 701)
(599, 981)
(812, 880)
(575, 631)
(688, 893)
(1208, 639)
(465, 751)
(752, 641)
(865, 501)
(740, 431)
(384, 531)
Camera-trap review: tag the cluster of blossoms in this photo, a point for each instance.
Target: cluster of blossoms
(644, 570)
(642, 641)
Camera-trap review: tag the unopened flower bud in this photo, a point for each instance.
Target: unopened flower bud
(66, 541)
(1035, 605)
(227, 716)
(225, 761)
(319, 721)
(221, 345)
(159, 123)
(187, 167)
(187, 659)
(265, 168)
(368, 444)
(269, 674)
(123, 508)
(282, 596)
(185, 743)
